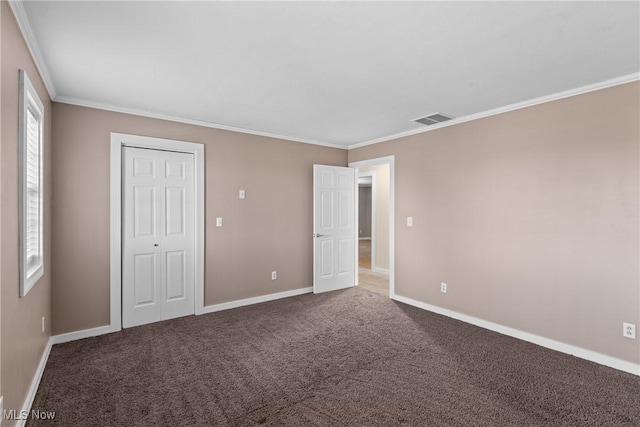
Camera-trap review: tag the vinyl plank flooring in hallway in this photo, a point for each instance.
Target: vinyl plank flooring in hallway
(368, 279)
(364, 254)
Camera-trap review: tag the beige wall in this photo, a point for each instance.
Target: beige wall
(22, 339)
(531, 217)
(381, 200)
(269, 230)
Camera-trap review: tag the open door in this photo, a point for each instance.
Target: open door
(334, 244)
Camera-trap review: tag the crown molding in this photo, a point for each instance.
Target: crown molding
(170, 118)
(512, 107)
(20, 14)
(27, 33)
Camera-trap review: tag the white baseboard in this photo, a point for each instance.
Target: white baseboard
(33, 389)
(378, 270)
(101, 330)
(613, 362)
(255, 300)
(85, 333)
(107, 329)
(602, 359)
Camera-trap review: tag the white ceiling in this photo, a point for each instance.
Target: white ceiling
(338, 73)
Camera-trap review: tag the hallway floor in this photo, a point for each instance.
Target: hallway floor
(368, 279)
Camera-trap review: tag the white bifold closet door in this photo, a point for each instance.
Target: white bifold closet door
(158, 236)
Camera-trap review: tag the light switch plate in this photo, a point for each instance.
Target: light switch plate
(241, 194)
(219, 222)
(409, 221)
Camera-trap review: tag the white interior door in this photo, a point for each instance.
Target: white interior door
(334, 228)
(158, 252)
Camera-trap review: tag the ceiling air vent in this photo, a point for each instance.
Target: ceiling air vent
(433, 119)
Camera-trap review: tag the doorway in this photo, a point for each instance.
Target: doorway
(175, 263)
(366, 214)
(375, 224)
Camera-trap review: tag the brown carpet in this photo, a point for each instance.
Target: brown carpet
(352, 358)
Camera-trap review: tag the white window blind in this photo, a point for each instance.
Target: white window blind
(32, 205)
(31, 186)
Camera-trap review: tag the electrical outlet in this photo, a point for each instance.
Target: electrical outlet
(218, 222)
(629, 330)
(443, 288)
(241, 194)
(274, 275)
(43, 324)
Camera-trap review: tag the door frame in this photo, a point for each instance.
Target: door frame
(119, 140)
(388, 160)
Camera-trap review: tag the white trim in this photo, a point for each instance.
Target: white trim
(389, 160)
(379, 270)
(101, 330)
(29, 102)
(115, 232)
(356, 228)
(170, 118)
(27, 33)
(507, 108)
(119, 140)
(32, 45)
(458, 120)
(35, 383)
(256, 300)
(85, 333)
(602, 359)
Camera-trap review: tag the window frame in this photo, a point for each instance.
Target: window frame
(29, 102)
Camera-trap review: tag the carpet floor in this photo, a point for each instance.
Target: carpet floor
(345, 358)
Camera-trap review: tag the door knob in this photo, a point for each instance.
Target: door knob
(155, 244)
(318, 235)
